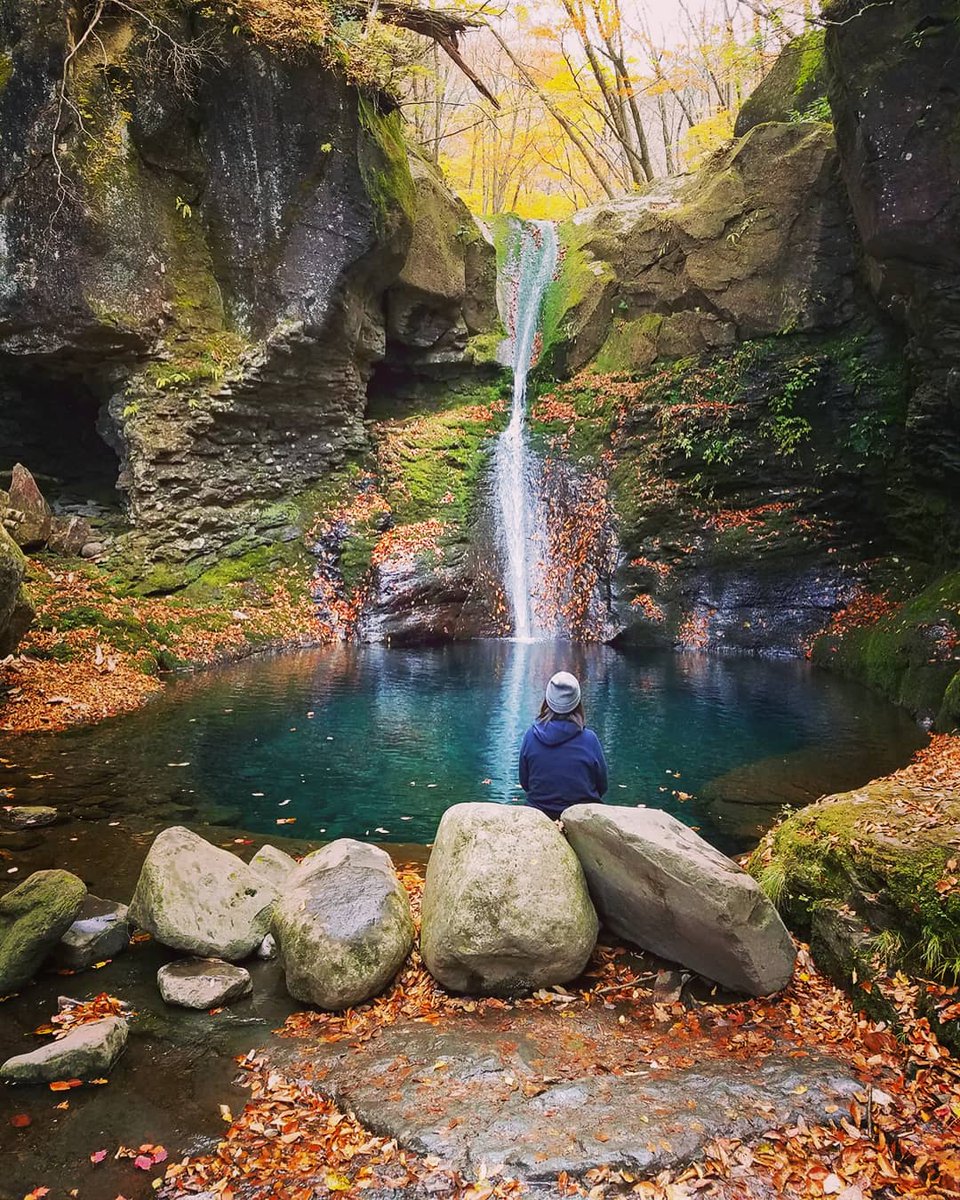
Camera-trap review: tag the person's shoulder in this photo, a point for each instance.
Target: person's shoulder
(590, 736)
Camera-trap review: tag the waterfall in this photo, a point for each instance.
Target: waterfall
(515, 467)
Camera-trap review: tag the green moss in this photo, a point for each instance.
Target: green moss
(482, 348)
(630, 344)
(6, 68)
(386, 171)
(909, 655)
(864, 850)
(582, 284)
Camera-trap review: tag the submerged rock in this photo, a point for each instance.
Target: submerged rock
(343, 925)
(274, 865)
(26, 816)
(87, 1052)
(100, 931)
(505, 904)
(202, 983)
(33, 918)
(198, 898)
(660, 886)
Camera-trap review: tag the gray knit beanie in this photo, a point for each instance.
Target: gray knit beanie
(563, 693)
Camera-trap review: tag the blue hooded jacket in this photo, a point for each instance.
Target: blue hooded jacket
(561, 764)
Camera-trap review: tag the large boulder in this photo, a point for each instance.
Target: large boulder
(31, 519)
(100, 931)
(202, 982)
(343, 925)
(33, 918)
(505, 906)
(660, 886)
(87, 1052)
(195, 897)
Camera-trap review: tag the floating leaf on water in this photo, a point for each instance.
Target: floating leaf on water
(21, 1120)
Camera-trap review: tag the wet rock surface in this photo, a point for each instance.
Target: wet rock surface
(202, 983)
(539, 1097)
(87, 1052)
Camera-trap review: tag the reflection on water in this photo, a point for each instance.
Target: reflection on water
(375, 743)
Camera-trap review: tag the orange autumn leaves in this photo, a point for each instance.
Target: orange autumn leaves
(92, 649)
(898, 1137)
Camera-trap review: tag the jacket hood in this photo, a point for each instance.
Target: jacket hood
(555, 733)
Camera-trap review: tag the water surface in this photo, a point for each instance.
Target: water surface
(375, 743)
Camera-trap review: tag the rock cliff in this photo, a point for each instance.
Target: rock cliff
(198, 236)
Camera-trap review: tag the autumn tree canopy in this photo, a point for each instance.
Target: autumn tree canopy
(596, 97)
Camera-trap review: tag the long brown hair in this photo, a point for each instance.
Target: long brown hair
(547, 714)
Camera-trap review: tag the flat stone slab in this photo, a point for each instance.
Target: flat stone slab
(541, 1097)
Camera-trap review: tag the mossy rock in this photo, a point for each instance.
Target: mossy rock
(880, 852)
(795, 88)
(909, 655)
(33, 918)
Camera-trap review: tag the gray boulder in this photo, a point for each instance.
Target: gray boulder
(87, 1052)
(343, 925)
(202, 982)
(69, 535)
(195, 897)
(274, 865)
(100, 931)
(658, 885)
(505, 906)
(33, 918)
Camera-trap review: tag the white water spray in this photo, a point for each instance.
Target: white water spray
(515, 481)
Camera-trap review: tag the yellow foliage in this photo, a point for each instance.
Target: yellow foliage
(701, 140)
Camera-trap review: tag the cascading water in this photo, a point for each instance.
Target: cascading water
(515, 468)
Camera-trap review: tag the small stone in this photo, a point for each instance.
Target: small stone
(23, 816)
(202, 982)
(92, 550)
(273, 865)
(100, 931)
(267, 950)
(69, 535)
(87, 1052)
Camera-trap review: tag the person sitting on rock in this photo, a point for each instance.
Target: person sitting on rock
(561, 760)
